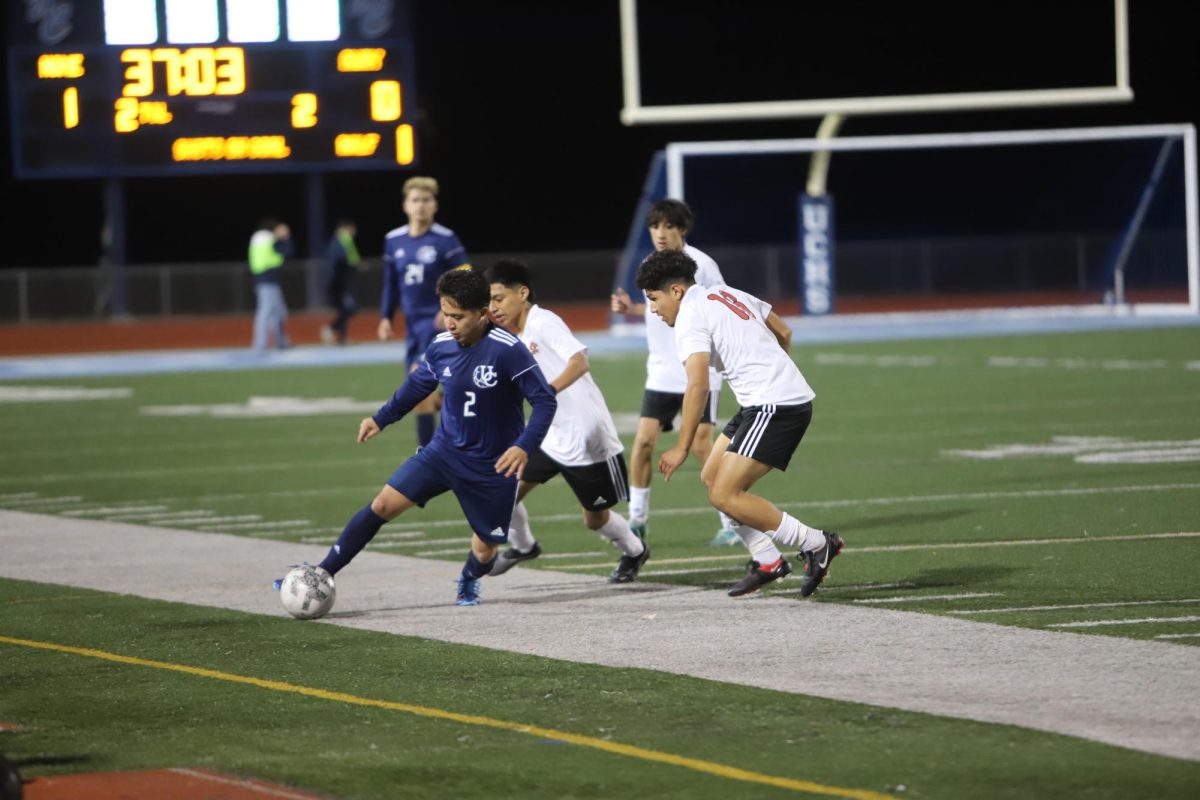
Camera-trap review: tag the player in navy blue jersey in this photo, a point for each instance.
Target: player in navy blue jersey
(415, 256)
(483, 443)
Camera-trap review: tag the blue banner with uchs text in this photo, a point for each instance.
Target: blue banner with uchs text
(816, 254)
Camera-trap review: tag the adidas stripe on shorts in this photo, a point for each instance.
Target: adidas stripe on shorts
(769, 434)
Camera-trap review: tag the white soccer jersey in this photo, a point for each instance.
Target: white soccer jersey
(582, 432)
(731, 326)
(664, 371)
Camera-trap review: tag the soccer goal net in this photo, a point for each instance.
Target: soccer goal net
(1068, 218)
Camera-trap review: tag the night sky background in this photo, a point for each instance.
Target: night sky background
(519, 114)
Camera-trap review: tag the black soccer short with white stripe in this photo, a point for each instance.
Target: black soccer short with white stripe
(769, 434)
(597, 486)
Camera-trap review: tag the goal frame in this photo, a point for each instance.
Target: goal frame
(678, 152)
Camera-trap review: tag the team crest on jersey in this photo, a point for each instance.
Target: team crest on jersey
(398, 254)
(533, 348)
(427, 254)
(485, 376)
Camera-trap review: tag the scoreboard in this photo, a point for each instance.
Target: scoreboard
(128, 88)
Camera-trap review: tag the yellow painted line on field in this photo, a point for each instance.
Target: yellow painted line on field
(698, 765)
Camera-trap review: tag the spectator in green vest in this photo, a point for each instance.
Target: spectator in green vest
(270, 246)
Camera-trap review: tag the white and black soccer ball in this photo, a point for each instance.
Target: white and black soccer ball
(307, 592)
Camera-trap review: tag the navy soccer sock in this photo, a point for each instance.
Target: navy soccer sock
(361, 529)
(474, 568)
(424, 429)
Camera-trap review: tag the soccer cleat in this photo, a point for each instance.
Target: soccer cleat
(468, 592)
(512, 556)
(816, 563)
(725, 538)
(638, 528)
(757, 577)
(628, 566)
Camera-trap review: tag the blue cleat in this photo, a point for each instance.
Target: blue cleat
(278, 582)
(468, 592)
(726, 537)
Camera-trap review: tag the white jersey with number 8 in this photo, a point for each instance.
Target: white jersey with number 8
(731, 326)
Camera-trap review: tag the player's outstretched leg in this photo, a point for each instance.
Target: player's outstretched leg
(361, 529)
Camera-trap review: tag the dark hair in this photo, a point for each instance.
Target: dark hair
(673, 212)
(664, 267)
(466, 288)
(510, 273)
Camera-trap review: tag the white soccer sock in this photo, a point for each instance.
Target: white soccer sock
(762, 548)
(813, 539)
(639, 503)
(617, 531)
(792, 532)
(727, 522)
(520, 535)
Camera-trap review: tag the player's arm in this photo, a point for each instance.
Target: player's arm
(622, 303)
(420, 384)
(542, 406)
(695, 397)
(577, 367)
(783, 334)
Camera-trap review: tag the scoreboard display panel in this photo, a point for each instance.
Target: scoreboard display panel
(127, 88)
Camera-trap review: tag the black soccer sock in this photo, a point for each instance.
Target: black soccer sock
(361, 529)
(474, 568)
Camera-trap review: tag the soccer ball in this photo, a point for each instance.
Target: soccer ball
(307, 592)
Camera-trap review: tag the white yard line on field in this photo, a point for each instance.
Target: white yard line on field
(100, 510)
(897, 548)
(257, 526)
(1097, 623)
(35, 503)
(921, 597)
(1069, 606)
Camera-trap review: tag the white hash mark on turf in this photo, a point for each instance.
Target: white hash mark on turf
(917, 598)
(1101, 622)
(1067, 606)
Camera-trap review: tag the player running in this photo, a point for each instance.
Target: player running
(749, 345)
(582, 442)
(482, 444)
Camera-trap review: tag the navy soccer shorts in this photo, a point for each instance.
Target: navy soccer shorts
(487, 499)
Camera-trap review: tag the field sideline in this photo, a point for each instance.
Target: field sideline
(1015, 615)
